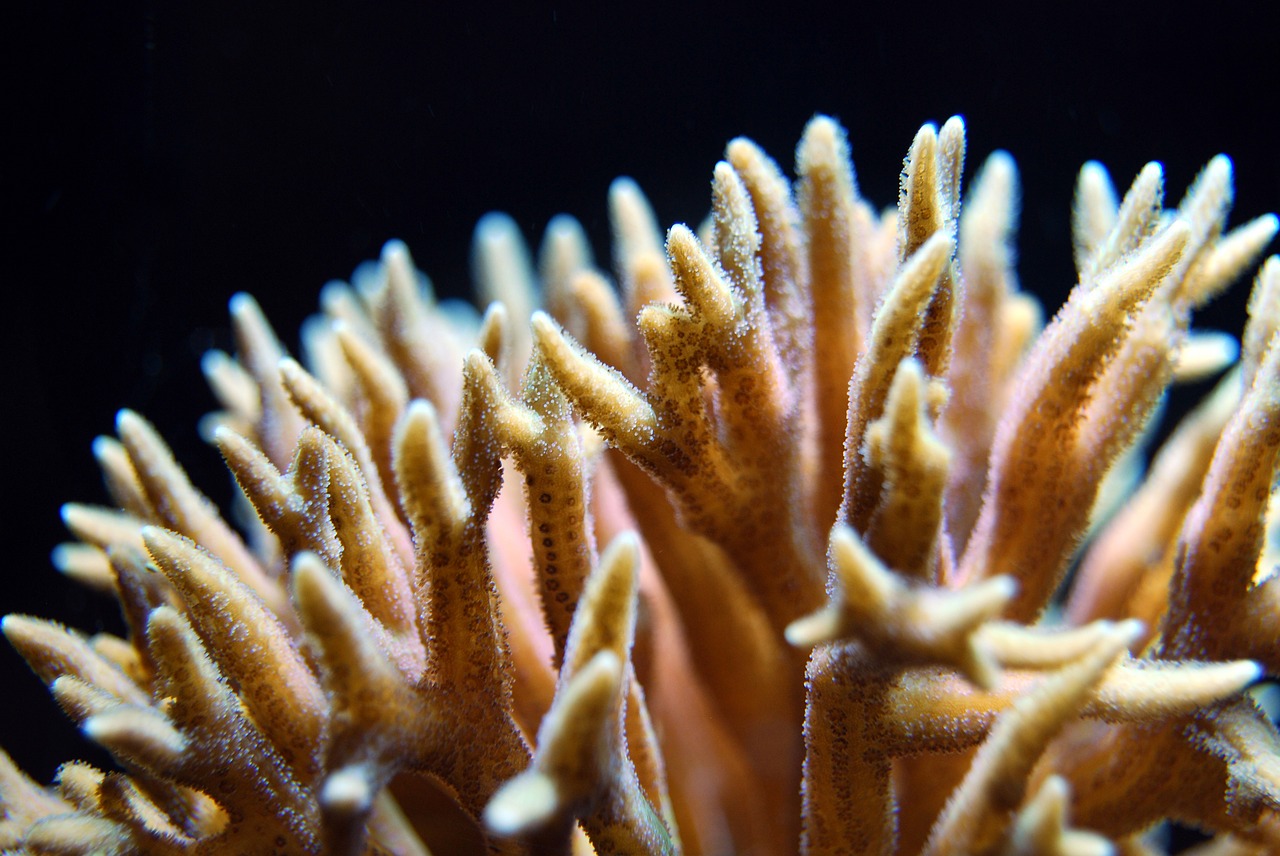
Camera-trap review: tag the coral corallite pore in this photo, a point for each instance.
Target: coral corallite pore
(773, 569)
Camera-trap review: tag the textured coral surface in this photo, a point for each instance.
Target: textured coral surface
(806, 535)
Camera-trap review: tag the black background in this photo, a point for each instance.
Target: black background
(164, 158)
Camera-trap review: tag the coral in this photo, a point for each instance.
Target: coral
(833, 549)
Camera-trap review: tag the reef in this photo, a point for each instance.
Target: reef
(805, 533)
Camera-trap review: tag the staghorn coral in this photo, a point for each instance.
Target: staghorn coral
(839, 473)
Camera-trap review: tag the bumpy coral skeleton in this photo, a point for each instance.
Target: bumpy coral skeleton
(415, 645)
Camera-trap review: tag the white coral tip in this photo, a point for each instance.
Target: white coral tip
(348, 791)
(525, 802)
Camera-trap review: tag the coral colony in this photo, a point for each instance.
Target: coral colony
(758, 554)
